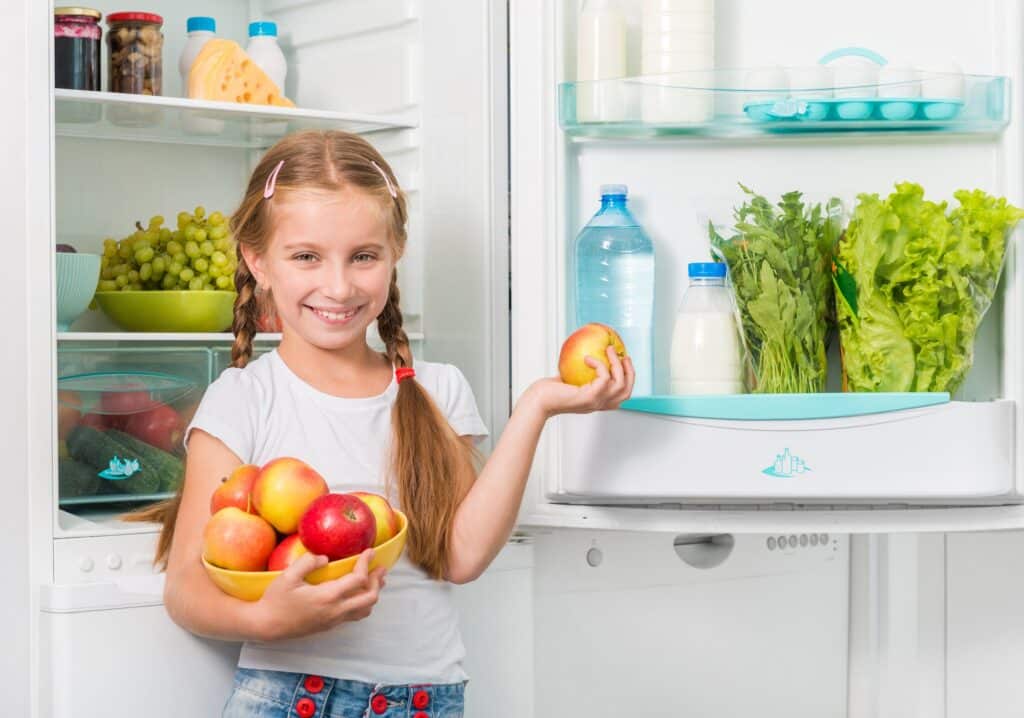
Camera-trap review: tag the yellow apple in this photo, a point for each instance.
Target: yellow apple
(284, 490)
(387, 519)
(589, 340)
(237, 540)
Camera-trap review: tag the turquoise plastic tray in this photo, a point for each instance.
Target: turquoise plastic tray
(855, 109)
(782, 407)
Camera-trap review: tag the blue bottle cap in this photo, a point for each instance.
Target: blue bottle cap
(614, 190)
(201, 23)
(263, 28)
(707, 269)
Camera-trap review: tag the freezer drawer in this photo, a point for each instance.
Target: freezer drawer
(110, 650)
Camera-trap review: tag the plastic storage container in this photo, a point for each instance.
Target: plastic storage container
(136, 45)
(76, 48)
(122, 413)
(265, 52)
(614, 266)
(707, 355)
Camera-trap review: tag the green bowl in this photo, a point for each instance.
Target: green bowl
(169, 310)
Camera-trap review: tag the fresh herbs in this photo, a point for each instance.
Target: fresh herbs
(922, 280)
(779, 260)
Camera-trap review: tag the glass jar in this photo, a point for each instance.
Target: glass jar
(136, 48)
(76, 48)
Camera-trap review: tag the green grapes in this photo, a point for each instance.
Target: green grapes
(197, 255)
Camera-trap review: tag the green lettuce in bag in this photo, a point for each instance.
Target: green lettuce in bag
(913, 282)
(779, 258)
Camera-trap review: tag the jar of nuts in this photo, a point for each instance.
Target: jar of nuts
(136, 47)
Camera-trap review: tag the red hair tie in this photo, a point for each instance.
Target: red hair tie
(404, 372)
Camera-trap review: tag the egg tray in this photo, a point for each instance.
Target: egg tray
(867, 109)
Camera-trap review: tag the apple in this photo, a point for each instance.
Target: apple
(387, 519)
(284, 490)
(160, 426)
(338, 526)
(589, 340)
(285, 552)
(236, 540)
(234, 490)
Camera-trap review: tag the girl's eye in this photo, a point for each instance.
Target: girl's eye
(364, 257)
(305, 257)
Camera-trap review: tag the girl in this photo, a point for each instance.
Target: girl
(319, 232)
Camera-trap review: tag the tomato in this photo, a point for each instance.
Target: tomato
(95, 421)
(125, 400)
(69, 412)
(160, 426)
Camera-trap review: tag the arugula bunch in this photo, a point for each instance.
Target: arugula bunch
(779, 259)
(914, 282)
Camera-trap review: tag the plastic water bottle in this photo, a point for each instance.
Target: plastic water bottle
(614, 261)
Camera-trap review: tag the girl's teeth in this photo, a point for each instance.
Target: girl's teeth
(334, 316)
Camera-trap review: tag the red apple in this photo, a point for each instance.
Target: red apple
(285, 552)
(387, 519)
(238, 541)
(338, 526)
(284, 490)
(234, 490)
(160, 426)
(589, 340)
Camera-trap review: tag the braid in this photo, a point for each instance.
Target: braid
(247, 307)
(389, 326)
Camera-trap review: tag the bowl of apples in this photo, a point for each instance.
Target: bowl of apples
(287, 498)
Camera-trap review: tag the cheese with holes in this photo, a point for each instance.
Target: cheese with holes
(224, 72)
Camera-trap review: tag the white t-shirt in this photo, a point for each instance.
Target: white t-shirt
(265, 411)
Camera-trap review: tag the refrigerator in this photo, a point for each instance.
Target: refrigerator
(655, 569)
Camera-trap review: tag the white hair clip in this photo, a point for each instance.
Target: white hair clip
(268, 190)
(391, 187)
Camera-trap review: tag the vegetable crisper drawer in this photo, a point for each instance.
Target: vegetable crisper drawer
(122, 413)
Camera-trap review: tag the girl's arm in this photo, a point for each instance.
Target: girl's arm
(486, 517)
(289, 608)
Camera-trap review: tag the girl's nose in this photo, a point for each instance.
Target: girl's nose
(337, 282)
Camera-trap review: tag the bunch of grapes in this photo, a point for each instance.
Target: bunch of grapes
(198, 255)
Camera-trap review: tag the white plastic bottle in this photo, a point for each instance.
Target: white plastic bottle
(200, 31)
(600, 55)
(707, 355)
(265, 52)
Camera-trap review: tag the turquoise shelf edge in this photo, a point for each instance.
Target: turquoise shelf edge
(780, 407)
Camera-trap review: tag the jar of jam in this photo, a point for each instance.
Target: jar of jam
(76, 48)
(136, 45)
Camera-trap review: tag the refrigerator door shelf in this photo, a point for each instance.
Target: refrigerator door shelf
(759, 407)
(896, 457)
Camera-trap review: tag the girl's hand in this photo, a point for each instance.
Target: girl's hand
(292, 608)
(606, 391)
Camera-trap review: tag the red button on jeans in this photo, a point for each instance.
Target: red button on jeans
(420, 714)
(314, 684)
(379, 704)
(420, 699)
(305, 707)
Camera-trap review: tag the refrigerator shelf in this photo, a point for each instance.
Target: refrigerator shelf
(178, 120)
(783, 407)
(108, 499)
(738, 103)
(182, 337)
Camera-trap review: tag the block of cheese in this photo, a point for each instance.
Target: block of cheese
(222, 71)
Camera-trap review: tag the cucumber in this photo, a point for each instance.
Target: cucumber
(169, 467)
(96, 449)
(76, 479)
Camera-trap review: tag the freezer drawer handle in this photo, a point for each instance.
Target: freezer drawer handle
(703, 551)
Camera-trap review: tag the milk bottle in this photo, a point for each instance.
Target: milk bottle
(706, 355)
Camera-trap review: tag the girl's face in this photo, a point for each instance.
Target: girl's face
(328, 264)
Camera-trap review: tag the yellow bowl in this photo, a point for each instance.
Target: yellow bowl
(169, 310)
(250, 585)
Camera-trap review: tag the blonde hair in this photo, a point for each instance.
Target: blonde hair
(428, 459)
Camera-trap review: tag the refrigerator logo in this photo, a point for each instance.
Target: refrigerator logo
(121, 468)
(786, 466)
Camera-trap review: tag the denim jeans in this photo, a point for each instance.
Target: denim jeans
(276, 694)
